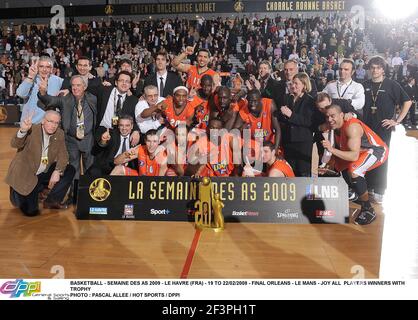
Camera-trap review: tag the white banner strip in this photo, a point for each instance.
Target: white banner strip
(206, 289)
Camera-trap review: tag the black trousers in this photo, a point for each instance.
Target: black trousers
(29, 204)
(377, 178)
(299, 156)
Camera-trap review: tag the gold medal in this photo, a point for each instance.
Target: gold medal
(115, 120)
(44, 161)
(374, 108)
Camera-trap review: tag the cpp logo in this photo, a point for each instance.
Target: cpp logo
(20, 287)
(159, 212)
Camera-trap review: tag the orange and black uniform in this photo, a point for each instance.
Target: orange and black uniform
(194, 76)
(222, 163)
(173, 118)
(261, 126)
(201, 109)
(146, 165)
(283, 166)
(373, 151)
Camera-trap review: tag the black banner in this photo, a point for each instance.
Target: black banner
(272, 200)
(196, 7)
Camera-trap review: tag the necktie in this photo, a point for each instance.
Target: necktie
(124, 145)
(80, 121)
(161, 86)
(263, 84)
(119, 105)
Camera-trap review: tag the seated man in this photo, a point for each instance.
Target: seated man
(41, 160)
(359, 150)
(276, 167)
(152, 159)
(109, 145)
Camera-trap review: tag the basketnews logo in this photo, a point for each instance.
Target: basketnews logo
(20, 288)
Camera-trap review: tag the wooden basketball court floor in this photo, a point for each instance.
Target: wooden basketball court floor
(34, 247)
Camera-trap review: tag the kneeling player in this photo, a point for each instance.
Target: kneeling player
(276, 167)
(359, 150)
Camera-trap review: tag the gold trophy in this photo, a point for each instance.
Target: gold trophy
(208, 202)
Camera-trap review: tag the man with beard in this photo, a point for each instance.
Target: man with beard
(194, 73)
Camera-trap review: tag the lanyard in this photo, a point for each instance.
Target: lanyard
(338, 89)
(374, 98)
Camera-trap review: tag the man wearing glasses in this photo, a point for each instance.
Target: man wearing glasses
(40, 70)
(41, 161)
(383, 97)
(113, 102)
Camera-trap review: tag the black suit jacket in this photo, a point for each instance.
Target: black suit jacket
(298, 128)
(105, 155)
(173, 80)
(128, 106)
(272, 90)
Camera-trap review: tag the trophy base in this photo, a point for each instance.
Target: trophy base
(203, 227)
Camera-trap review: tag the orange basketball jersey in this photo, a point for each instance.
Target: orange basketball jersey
(261, 126)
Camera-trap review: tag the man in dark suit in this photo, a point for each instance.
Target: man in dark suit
(109, 145)
(113, 102)
(79, 113)
(136, 87)
(164, 80)
(41, 160)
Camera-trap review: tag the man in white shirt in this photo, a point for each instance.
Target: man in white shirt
(396, 63)
(147, 115)
(346, 87)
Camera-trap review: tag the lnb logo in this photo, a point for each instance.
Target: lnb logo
(315, 192)
(159, 212)
(19, 287)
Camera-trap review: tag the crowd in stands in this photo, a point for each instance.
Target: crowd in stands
(319, 44)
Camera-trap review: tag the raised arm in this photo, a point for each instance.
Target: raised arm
(177, 61)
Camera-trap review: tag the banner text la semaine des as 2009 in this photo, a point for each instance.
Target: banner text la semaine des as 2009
(272, 200)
